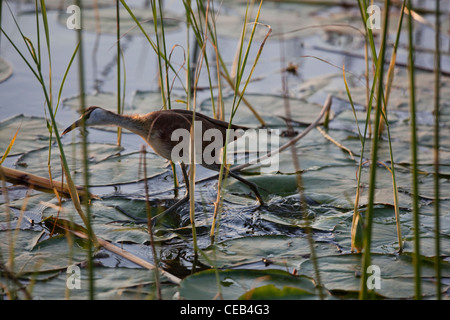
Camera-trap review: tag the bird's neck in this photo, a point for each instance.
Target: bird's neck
(132, 123)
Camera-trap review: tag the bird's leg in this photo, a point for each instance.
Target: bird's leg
(175, 206)
(165, 212)
(251, 185)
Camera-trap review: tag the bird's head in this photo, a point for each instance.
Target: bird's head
(92, 116)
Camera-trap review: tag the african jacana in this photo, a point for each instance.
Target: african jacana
(156, 129)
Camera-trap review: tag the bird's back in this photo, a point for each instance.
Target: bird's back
(165, 122)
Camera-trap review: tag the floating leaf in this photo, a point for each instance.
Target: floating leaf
(269, 107)
(110, 284)
(6, 69)
(33, 134)
(32, 254)
(342, 273)
(234, 283)
(63, 4)
(280, 249)
(282, 17)
(107, 166)
(103, 20)
(148, 101)
(271, 292)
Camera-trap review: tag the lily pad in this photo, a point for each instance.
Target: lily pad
(34, 253)
(63, 4)
(6, 69)
(33, 134)
(279, 249)
(270, 107)
(103, 20)
(107, 166)
(234, 283)
(147, 101)
(342, 273)
(282, 17)
(399, 98)
(110, 284)
(106, 211)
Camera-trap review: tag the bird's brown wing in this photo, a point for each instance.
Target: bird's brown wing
(166, 122)
(218, 123)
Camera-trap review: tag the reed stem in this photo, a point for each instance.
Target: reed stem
(366, 259)
(149, 225)
(437, 70)
(119, 109)
(415, 182)
(85, 152)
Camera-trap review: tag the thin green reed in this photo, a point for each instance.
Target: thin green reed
(166, 64)
(437, 72)
(150, 41)
(191, 186)
(357, 220)
(366, 258)
(1, 10)
(202, 38)
(415, 182)
(85, 152)
(163, 83)
(119, 108)
(363, 9)
(163, 76)
(242, 59)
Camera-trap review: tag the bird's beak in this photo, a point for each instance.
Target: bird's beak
(74, 125)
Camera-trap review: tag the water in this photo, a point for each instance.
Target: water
(247, 234)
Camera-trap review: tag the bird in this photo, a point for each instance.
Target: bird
(156, 128)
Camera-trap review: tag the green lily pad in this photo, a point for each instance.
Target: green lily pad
(282, 250)
(271, 292)
(105, 211)
(110, 284)
(269, 107)
(107, 166)
(234, 283)
(398, 98)
(342, 273)
(33, 134)
(32, 254)
(282, 17)
(30, 207)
